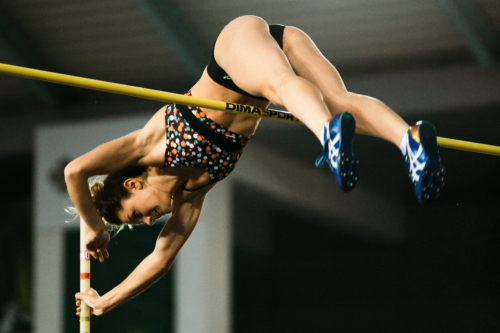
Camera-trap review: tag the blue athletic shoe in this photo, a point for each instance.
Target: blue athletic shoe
(423, 162)
(338, 135)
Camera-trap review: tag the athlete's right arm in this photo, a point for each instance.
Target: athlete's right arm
(136, 148)
(104, 159)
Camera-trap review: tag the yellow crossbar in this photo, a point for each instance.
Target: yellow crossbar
(168, 97)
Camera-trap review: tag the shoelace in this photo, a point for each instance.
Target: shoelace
(334, 152)
(331, 150)
(412, 162)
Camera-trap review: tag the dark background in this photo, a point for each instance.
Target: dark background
(15, 238)
(442, 276)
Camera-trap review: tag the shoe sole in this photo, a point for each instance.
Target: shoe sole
(348, 164)
(433, 174)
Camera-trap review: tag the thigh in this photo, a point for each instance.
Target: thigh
(250, 55)
(308, 62)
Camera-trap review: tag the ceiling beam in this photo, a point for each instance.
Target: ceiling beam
(181, 37)
(474, 28)
(16, 47)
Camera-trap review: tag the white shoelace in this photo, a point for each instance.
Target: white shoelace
(414, 164)
(332, 151)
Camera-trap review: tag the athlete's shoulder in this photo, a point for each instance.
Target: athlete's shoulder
(150, 139)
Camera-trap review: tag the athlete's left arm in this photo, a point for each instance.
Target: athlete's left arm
(186, 209)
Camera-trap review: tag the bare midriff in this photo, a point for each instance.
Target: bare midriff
(238, 123)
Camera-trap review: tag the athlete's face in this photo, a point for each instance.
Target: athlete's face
(145, 204)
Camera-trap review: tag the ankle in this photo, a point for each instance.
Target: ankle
(324, 133)
(404, 142)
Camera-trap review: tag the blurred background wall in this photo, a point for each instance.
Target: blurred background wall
(296, 264)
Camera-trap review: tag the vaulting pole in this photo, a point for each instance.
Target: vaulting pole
(84, 278)
(168, 97)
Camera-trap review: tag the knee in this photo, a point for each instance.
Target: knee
(353, 102)
(342, 100)
(272, 90)
(293, 35)
(287, 84)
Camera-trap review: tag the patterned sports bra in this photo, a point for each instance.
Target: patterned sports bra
(194, 140)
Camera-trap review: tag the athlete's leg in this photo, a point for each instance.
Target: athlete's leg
(418, 145)
(372, 116)
(255, 62)
(252, 58)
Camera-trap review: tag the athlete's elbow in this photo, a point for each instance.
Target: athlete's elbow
(167, 266)
(72, 170)
(163, 261)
